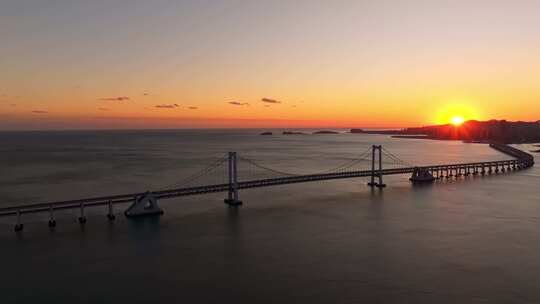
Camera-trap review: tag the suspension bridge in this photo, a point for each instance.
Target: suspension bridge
(234, 172)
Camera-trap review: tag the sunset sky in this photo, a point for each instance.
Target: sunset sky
(196, 64)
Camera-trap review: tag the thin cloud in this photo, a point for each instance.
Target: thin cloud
(236, 103)
(40, 112)
(103, 109)
(119, 98)
(193, 108)
(167, 106)
(269, 100)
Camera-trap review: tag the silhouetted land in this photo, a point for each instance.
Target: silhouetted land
(326, 132)
(474, 131)
(387, 132)
(292, 133)
(300, 133)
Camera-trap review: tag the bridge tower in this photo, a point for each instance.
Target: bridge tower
(376, 151)
(232, 198)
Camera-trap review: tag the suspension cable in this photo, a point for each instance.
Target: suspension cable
(346, 165)
(192, 178)
(395, 158)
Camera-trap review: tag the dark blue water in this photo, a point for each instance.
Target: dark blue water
(473, 240)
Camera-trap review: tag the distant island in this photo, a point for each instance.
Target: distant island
(326, 132)
(292, 133)
(384, 132)
(474, 131)
(300, 133)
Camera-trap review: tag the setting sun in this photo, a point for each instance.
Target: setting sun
(457, 120)
(456, 112)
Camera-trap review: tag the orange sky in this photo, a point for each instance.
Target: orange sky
(134, 64)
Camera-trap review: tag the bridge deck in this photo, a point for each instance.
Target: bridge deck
(522, 159)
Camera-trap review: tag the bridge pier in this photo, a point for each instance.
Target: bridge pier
(232, 197)
(110, 215)
(421, 175)
(145, 204)
(52, 221)
(82, 218)
(19, 225)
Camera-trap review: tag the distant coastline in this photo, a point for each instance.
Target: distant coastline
(501, 131)
(302, 133)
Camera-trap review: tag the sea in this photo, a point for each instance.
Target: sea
(469, 240)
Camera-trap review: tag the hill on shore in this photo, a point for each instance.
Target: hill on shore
(482, 131)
